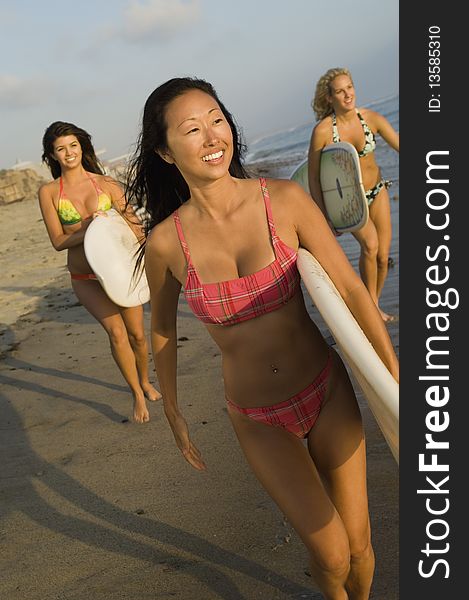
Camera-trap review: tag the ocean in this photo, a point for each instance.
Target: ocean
(290, 147)
(279, 153)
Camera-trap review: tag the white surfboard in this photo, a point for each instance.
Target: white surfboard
(378, 385)
(110, 248)
(341, 185)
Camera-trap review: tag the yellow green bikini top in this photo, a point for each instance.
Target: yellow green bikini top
(69, 215)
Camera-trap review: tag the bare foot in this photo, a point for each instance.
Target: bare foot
(141, 414)
(151, 393)
(386, 318)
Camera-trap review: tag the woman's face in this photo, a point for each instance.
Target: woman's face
(342, 93)
(67, 151)
(200, 141)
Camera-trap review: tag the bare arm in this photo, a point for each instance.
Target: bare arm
(316, 145)
(164, 293)
(315, 236)
(120, 204)
(318, 141)
(60, 240)
(386, 131)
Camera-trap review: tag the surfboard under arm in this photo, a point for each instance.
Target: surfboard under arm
(111, 249)
(380, 389)
(341, 185)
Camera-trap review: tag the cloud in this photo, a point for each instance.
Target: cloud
(17, 93)
(154, 20)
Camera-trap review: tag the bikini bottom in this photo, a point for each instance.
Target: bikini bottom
(299, 413)
(371, 194)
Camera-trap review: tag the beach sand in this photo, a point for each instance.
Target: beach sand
(97, 507)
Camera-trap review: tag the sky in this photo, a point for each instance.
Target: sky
(95, 62)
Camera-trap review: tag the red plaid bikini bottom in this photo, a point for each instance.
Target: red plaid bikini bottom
(299, 413)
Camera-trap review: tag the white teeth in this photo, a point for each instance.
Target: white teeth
(213, 156)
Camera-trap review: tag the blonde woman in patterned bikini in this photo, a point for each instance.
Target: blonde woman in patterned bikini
(232, 243)
(340, 120)
(68, 204)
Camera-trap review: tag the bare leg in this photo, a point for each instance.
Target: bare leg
(380, 214)
(97, 303)
(283, 466)
(367, 237)
(342, 466)
(133, 319)
(372, 270)
(322, 489)
(336, 536)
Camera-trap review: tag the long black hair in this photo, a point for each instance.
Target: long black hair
(60, 129)
(152, 183)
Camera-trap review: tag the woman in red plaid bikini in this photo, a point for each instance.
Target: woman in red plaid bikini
(232, 243)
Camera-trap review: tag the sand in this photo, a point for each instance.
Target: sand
(97, 507)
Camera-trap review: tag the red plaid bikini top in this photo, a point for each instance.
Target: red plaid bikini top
(236, 300)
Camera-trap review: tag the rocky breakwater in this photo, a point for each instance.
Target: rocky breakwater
(19, 184)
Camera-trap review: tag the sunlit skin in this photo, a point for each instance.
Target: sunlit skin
(124, 326)
(67, 151)
(375, 237)
(320, 486)
(193, 136)
(343, 93)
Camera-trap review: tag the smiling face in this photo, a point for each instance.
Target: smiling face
(67, 151)
(199, 138)
(342, 93)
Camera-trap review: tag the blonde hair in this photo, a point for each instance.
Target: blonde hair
(320, 103)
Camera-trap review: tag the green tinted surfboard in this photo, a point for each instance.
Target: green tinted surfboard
(341, 185)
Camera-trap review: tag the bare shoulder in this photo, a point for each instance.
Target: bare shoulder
(371, 116)
(322, 134)
(285, 187)
(49, 189)
(323, 128)
(324, 125)
(162, 239)
(108, 180)
(366, 112)
(286, 195)
(293, 209)
(107, 183)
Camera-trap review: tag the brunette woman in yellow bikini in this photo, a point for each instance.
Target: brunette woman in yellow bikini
(78, 193)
